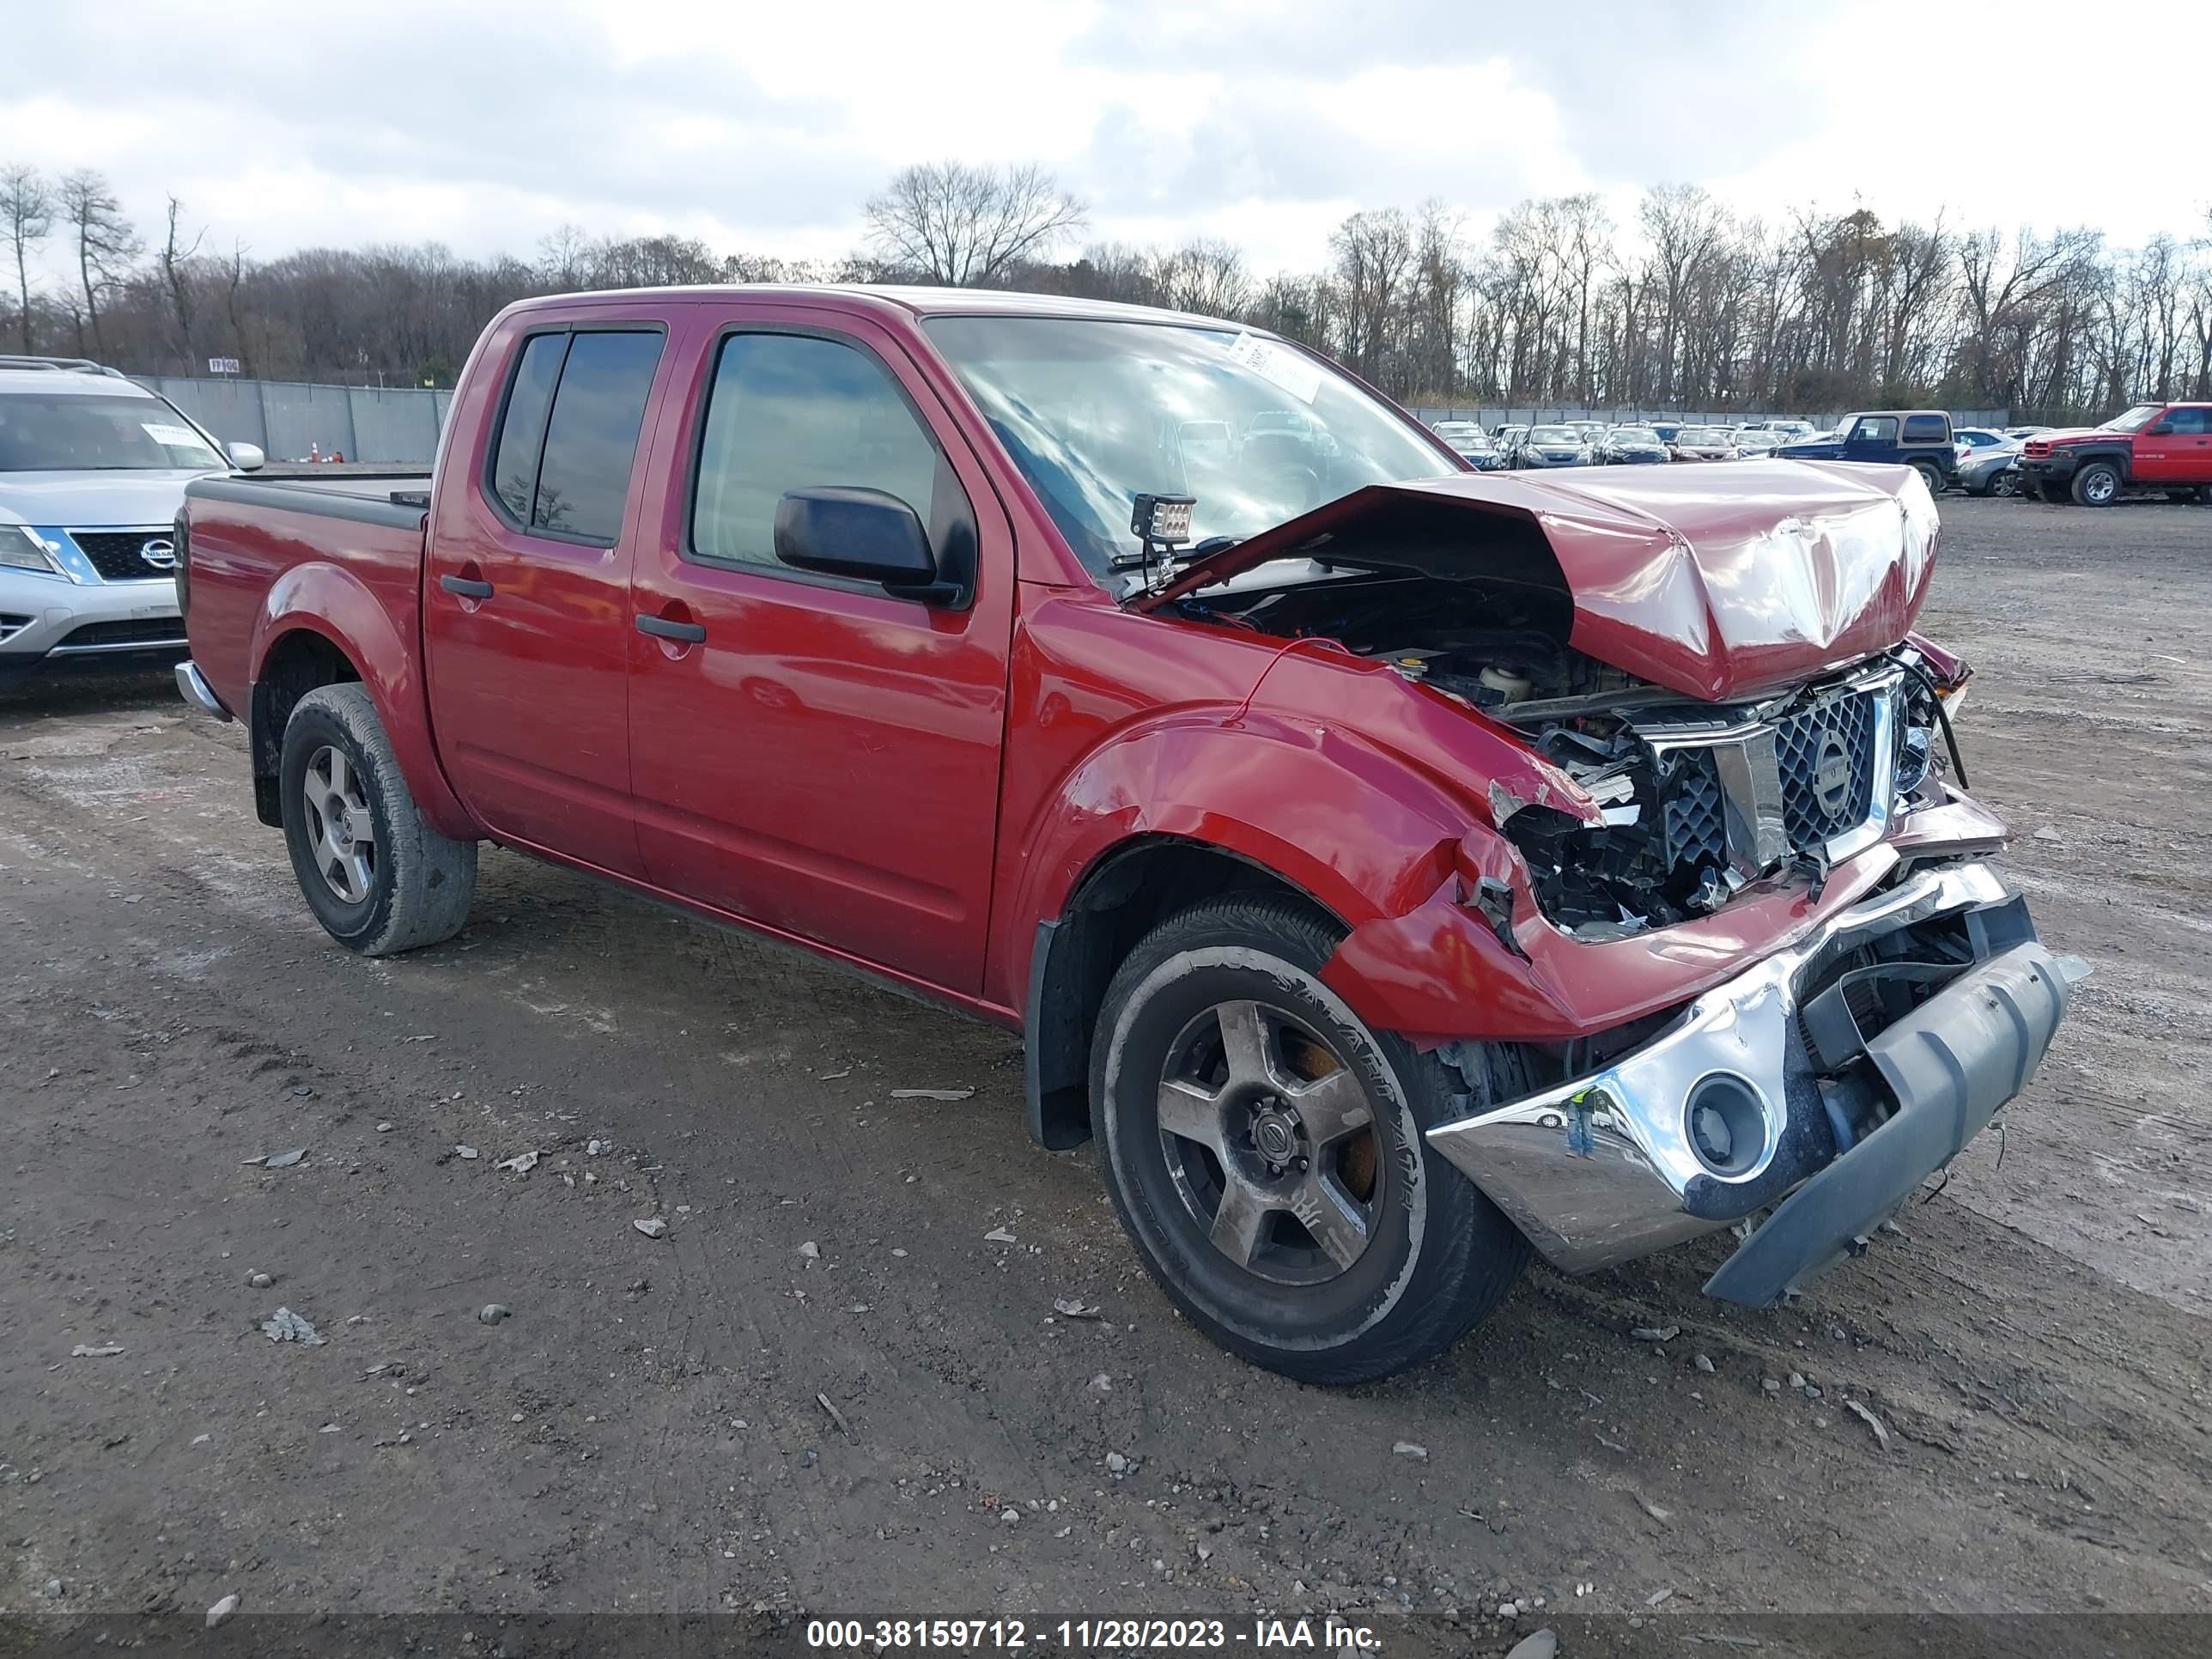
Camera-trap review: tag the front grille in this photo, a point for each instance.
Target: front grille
(1826, 757)
(110, 635)
(115, 553)
(1696, 833)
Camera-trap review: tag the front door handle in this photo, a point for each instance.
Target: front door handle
(467, 586)
(661, 628)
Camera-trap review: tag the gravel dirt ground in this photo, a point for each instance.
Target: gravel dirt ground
(838, 1384)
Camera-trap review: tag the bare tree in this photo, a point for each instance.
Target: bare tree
(965, 226)
(106, 243)
(174, 260)
(1205, 276)
(27, 214)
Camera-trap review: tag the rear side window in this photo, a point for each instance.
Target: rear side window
(1926, 429)
(569, 437)
(522, 435)
(794, 411)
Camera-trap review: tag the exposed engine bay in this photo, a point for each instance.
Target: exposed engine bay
(1699, 800)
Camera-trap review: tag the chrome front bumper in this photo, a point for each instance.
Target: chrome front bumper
(1608, 1166)
(52, 608)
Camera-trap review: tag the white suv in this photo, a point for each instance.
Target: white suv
(93, 469)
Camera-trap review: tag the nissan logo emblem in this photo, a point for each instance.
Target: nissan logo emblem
(1831, 776)
(161, 553)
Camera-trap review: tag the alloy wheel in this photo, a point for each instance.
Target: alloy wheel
(1270, 1141)
(341, 830)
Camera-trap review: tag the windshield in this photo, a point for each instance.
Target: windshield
(1700, 437)
(59, 432)
(1634, 435)
(1555, 434)
(2134, 420)
(1096, 413)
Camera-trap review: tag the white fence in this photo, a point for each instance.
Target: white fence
(286, 418)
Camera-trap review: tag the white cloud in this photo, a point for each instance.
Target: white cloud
(764, 128)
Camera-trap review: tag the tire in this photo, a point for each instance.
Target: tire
(405, 885)
(1413, 1254)
(2097, 484)
(1931, 476)
(2055, 494)
(2204, 494)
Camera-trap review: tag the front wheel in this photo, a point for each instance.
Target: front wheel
(2097, 484)
(378, 877)
(1264, 1151)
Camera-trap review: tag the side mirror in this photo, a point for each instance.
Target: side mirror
(246, 458)
(867, 535)
(2159, 428)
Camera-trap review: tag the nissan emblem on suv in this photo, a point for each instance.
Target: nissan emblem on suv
(161, 553)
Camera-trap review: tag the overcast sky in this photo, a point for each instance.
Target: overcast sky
(484, 123)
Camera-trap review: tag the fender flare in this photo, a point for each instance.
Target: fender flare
(326, 599)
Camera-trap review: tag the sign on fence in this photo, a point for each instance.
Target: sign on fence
(222, 365)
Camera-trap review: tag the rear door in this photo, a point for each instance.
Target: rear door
(527, 600)
(820, 757)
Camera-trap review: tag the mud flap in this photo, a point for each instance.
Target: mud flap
(1950, 1063)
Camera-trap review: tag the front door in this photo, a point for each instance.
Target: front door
(808, 752)
(1872, 438)
(526, 593)
(2181, 453)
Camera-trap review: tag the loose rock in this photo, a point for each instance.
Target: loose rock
(464, 1151)
(1656, 1333)
(285, 1325)
(1880, 1434)
(492, 1312)
(222, 1610)
(86, 1351)
(1116, 1464)
(999, 1236)
(1539, 1644)
(652, 1229)
(1408, 1449)
(1703, 1364)
(259, 1281)
(521, 1163)
(810, 1250)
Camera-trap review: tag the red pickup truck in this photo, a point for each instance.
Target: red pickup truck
(1394, 867)
(2163, 447)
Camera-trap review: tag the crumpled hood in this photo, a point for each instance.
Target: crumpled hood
(65, 499)
(1718, 583)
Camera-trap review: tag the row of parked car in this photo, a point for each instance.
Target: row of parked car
(2150, 447)
(1598, 443)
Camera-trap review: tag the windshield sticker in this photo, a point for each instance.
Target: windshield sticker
(1277, 365)
(171, 437)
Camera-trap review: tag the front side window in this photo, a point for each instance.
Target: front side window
(568, 440)
(1876, 429)
(796, 411)
(1093, 412)
(2189, 423)
(60, 432)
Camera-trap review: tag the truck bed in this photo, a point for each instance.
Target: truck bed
(263, 551)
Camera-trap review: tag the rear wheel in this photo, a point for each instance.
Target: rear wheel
(378, 877)
(1264, 1149)
(2097, 484)
(1931, 476)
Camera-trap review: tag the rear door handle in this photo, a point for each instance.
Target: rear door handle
(467, 586)
(661, 628)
